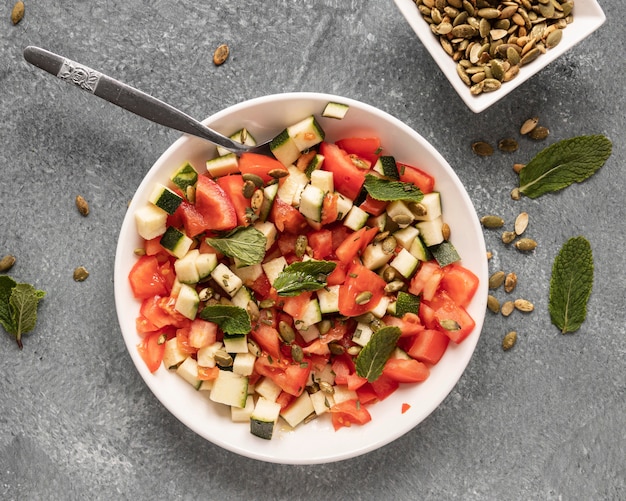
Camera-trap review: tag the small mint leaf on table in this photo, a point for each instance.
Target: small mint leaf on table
(18, 307)
(570, 284)
(561, 164)
(371, 360)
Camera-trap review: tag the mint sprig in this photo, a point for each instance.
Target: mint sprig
(18, 307)
(390, 191)
(247, 244)
(303, 276)
(371, 360)
(233, 320)
(570, 284)
(563, 163)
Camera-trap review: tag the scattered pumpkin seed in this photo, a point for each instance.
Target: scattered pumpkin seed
(296, 353)
(17, 13)
(394, 286)
(516, 194)
(510, 282)
(223, 358)
(402, 219)
(418, 209)
(278, 173)
(539, 133)
(221, 54)
(489, 255)
(525, 244)
(267, 303)
(363, 297)
(286, 332)
(389, 244)
(324, 326)
(496, 279)
(257, 180)
(521, 223)
(482, 148)
(529, 125)
(354, 350)
(6, 263)
(248, 189)
(253, 311)
(450, 325)
(509, 340)
(390, 274)
(336, 349)
(491, 221)
(254, 348)
(300, 246)
(206, 294)
(326, 387)
(507, 308)
(518, 167)
(523, 305)
(508, 145)
(493, 304)
(508, 237)
(445, 231)
(80, 274)
(82, 205)
(139, 251)
(257, 200)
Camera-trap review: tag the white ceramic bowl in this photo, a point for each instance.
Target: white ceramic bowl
(315, 442)
(588, 17)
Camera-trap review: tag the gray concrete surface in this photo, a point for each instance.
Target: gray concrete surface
(545, 420)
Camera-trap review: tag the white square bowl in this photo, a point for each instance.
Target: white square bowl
(588, 17)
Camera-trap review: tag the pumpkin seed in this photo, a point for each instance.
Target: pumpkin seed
(553, 39)
(526, 244)
(254, 348)
(253, 311)
(257, 180)
(523, 305)
(394, 286)
(6, 263)
(82, 205)
(509, 340)
(336, 349)
(221, 54)
(326, 387)
(507, 308)
(223, 358)
(521, 223)
(324, 326)
(296, 353)
(248, 189)
(539, 133)
(508, 237)
(257, 200)
(450, 325)
(493, 304)
(418, 209)
(516, 194)
(508, 145)
(492, 222)
(389, 244)
(139, 251)
(445, 231)
(17, 13)
(390, 274)
(286, 332)
(402, 219)
(278, 173)
(496, 279)
(482, 148)
(80, 274)
(205, 294)
(510, 282)
(363, 297)
(518, 167)
(267, 303)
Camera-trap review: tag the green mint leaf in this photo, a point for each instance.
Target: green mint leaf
(303, 276)
(570, 284)
(247, 244)
(563, 163)
(407, 303)
(233, 320)
(372, 358)
(389, 191)
(6, 319)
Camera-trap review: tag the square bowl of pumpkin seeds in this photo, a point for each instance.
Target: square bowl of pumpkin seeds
(487, 48)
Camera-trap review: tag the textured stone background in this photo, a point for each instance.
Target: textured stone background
(543, 421)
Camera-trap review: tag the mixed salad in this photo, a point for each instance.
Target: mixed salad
(313, 282)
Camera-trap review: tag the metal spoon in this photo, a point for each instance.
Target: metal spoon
(131, 99)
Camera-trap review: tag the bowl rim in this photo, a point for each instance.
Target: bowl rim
(124, 250)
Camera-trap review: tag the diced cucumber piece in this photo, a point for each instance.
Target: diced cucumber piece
(321, 401)
(165, 199)
(205, 264)
(311, 333)
(249, 274)
(269, 231)
(243, 364)
(315, 164)
(374, 256)
(269, 194)
(386, 166)
(241, 136)
(311, 203)
(399, 208)
(185, 176)
(342, 393)
(273, 268)
(187, 302)
(399, 353)
(356, 218)
(242, 415)
(230, 389)
(175, 242)
(150, 221)
(306, 133)
(298, 410)
(226, 279)
(445, 253)
(405, 263)
(328, 298)
(222, 166)
(405, 236)
(335, 110)
(284, 148)
(419, 250)
(236, 344)
(268, 389)
(188, 370)
(186, 269)
(362, 334)
(242, 297)
(325, 373)
(310, 316)
(263, 418)
(206, 355)
(379, 222)
(172, 355)
(380, 310)
(407, 303)
(323, 180)
(343, 206)
(291, 188)
(432, 207)
(431, 231)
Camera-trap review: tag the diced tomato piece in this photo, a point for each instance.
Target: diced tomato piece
(340, 233)
(368, 236)
(284, 399)
(460, 283)
(193, 221)
(427, 314)
(348, 413)
(261, 286)
(143, 325)
(321, 241)
(153, 246)
(410, 324)
(261, 165)
(233, 187)
(338, 275)
(287, 218)
(347, 177)
(151, 311)
(366, 394)
(406, 371)
(176, 319)
(151, 351)
(354, 381)
(316, 347)
(405, 407)
(338, 331)
(367, 148)
(208, 373)
(267, 338)
(330, 212)
(214, 205)
(426, 280)
(373, 206)
(454, 320)
(429, 346)
(350, 247)
(342, 366)
(182, 341)
(295, 305)
(287, 244)
(409, 174)
(146, 279)
(384, 386)
(291, 377)
(359, 280)
(202, 333)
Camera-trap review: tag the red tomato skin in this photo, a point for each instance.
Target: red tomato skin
(202, 333)
(373, 206)
(406, 371)
(348, 413)
(409, 174)
(351, 245)
(409, 324)
(460, 283)
(348, 178)
(338, 275)
(429, 346)
(330, 212)
(445, 309)
(146, 279)
(233, 187)
(287, 218)
(321, 241)
(367, 148)
(267, 338)
(151, 351)
(384, 386)
(291, 377)
(427, 279)
(261, 165)
(214, 205)
(360, 279)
